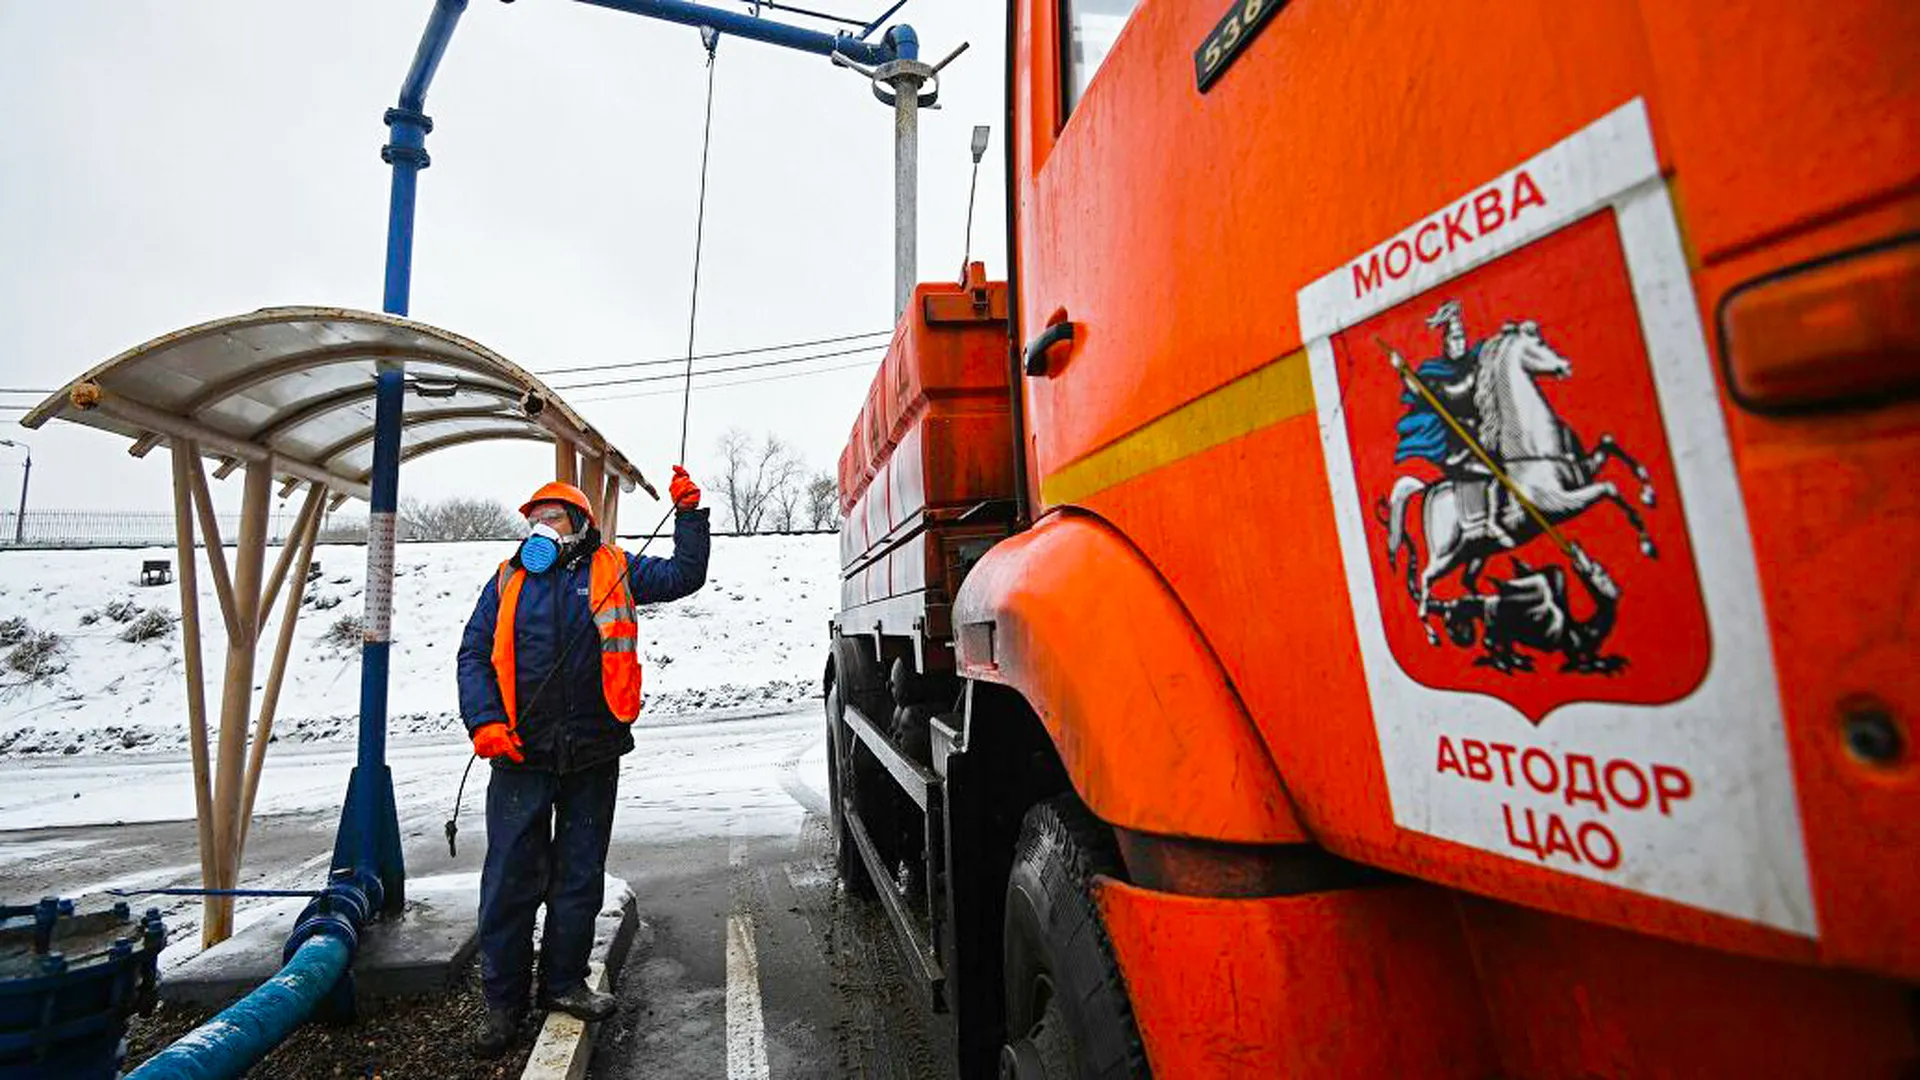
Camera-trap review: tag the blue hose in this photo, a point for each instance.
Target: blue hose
(230, 1043)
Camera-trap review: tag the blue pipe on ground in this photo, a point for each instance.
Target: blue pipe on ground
(316, 958)
(234, 1041)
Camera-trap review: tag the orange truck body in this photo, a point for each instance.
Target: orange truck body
(1691, 848)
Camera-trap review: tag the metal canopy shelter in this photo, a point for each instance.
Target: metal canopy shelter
(297, 383)
(290, 394)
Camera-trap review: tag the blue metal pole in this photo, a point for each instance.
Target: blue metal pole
(232, 1042)
(368, 841)
(407, 152)
(755, 29)
(408, 155)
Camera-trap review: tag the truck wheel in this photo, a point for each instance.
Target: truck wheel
(846, 857)
(1066, 1007)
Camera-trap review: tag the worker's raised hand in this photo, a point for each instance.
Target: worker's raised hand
(683, 491)
(495, 740)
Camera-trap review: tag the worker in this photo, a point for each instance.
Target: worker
(549, 674)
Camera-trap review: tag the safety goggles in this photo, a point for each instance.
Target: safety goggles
(554, 516)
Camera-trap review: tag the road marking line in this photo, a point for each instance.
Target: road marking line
(746, 1028)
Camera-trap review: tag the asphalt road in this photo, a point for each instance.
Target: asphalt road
(758, 966)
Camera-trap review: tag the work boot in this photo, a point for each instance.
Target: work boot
(582, 1004)
(497, 1032)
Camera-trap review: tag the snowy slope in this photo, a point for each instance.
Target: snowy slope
(753, 638)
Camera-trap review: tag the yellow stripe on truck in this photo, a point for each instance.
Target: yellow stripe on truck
(1261, 398)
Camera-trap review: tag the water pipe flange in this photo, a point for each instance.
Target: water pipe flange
(413, 155)
(408, 116)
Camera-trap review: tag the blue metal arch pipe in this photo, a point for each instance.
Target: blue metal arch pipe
(756, 29)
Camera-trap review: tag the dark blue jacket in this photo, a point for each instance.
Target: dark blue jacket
(568, 726)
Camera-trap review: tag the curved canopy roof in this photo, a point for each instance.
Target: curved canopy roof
(297, 384)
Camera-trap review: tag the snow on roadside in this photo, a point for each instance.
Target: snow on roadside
(751, 639)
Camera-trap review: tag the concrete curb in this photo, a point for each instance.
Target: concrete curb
(565, 1045)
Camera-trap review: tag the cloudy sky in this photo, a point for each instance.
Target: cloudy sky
(165, 163)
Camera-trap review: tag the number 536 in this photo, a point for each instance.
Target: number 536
(1242, 18)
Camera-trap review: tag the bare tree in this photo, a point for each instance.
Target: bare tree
(458, 518)
(784, 502)
(758, 480)
(823, 499)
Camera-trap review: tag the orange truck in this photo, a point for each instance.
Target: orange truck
(1413, 574)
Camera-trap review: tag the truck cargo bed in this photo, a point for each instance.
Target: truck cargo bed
(926, 478)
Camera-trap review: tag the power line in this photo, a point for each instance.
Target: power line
(712, 355)
(754, 351)
(597, 383)
(863, 366)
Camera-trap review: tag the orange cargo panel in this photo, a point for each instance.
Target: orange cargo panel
(934, 432)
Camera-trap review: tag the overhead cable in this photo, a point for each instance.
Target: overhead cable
(677, 376)
(863, 366)
(712, 355)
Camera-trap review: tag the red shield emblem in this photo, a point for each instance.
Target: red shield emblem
(1523, 518)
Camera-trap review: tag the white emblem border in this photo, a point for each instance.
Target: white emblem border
(1735, 846)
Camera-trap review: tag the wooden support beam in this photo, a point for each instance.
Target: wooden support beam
(185, 456)
(566, 463)
(213, 440)
(308, 509)
(236, 699)
(216, 550)
(610, 508)
(303, 539)
(593, 477)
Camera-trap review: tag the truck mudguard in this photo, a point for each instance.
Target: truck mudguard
(1145, 721)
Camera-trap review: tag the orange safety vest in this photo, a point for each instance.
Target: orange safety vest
(614, 618)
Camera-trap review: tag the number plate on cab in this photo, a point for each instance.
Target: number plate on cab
(1244, 19)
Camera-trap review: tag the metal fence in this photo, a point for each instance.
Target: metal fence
(142, 528)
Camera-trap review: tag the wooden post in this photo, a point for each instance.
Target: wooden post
(592, 478)
(236, 697)
(610, 508)
(216, 551)
(309, 508)
(302, 540)
(566, 464)
(185, 455)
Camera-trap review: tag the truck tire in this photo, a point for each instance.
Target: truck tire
(846, 857)
(1066, 1007)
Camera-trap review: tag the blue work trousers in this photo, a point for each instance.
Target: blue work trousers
(547, 836)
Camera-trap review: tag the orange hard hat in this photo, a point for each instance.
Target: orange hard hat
(561, 492)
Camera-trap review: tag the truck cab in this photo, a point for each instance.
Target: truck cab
(1432, 601)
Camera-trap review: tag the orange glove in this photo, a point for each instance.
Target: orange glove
(494, 740)
(683, 491)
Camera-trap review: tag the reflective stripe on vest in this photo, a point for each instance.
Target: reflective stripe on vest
(615, 621)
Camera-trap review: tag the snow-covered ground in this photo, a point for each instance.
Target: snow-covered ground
(751, 640)
(80, 826)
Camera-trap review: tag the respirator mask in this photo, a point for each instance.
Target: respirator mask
(544, 542)
(542, 548)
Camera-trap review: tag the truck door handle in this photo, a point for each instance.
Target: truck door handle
(1034, 359)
